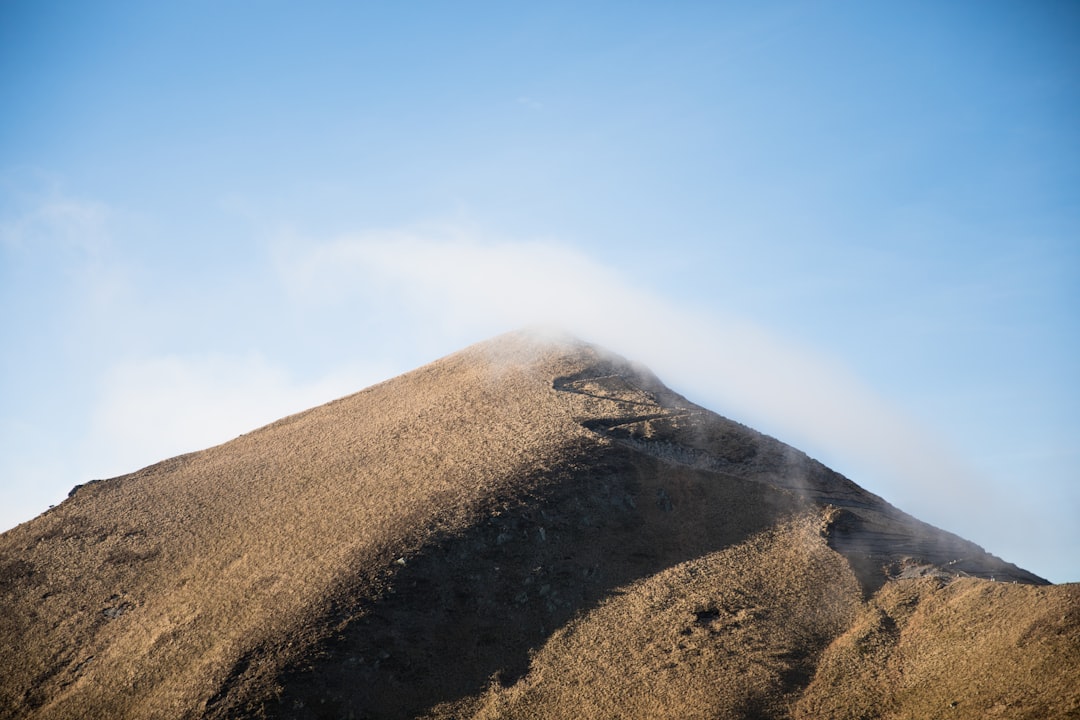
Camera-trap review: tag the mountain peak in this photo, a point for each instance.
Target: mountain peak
(395, 552)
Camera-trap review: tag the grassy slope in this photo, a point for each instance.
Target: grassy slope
(971, 648)
(138, 596)
(735, 633)
(417, 546)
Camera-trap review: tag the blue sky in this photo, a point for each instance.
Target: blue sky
(854, 226)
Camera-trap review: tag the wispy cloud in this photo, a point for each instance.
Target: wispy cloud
(157, 407)
(461, 284)
(69, 243)
(442, 286)
(49, 219)
(456, 284)
(530, 103)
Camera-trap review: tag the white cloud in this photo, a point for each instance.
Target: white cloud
(155, 408)
(159, 407)
(442, 287)
(460, 284)
(60, 222)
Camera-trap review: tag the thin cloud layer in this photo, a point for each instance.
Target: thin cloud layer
(438, 288)
(458, 284)
(61, 222)
(449, 286)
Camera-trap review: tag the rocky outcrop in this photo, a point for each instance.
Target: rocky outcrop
(632, 407)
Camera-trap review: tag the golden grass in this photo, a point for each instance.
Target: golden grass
(971, 648)
(524, 529)
(244, 545)
(735, 633)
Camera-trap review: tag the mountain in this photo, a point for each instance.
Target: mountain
(529, 528)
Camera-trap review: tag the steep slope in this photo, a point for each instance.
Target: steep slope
(410, 548)
(877, 539)
(141, 596)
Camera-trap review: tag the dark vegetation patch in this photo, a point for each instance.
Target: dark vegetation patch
(12, 571)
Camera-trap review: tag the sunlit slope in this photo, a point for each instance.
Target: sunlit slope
(773, 627)
(968, 649)
(139, 595)
(428, 545)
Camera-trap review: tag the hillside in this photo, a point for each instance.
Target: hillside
(531, 527)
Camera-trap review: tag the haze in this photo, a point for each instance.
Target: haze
(852, 227)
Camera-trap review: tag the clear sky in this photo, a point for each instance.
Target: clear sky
(852, 225)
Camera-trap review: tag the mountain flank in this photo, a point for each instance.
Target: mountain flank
(532, 527)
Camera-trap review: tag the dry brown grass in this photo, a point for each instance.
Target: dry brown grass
(494, 517)
(971, 648)
(244, 545)
(735, 633)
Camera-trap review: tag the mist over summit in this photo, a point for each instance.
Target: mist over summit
(531, 527)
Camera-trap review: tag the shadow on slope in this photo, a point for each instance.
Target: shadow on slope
(632, 407)
(732, 634)
(467, 610)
